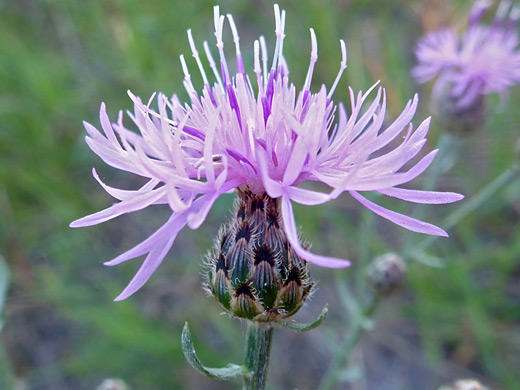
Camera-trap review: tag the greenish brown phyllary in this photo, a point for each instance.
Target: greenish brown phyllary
(253, 272)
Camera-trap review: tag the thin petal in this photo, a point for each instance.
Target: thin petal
(138, 202)
(369, 183)
(425, 197)
(205, 202)
(273, 188)
(196, 219)
(296, 161)
(307, 197)
(292, 236)
(176, 202)
(174, 224)
(116, 159)
(124, 194)
(152, 261)
(93, 132)
(400, 219)
(106, 125)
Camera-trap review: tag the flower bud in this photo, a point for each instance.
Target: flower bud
(465, 384)
(113, 384)
(253, 272)
(386, 273)
(462, 120)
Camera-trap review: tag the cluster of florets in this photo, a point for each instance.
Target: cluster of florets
(268, 136)
(253, 271)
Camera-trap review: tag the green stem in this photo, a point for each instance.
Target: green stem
(365, 235)
(472, 204)
(344, 350)
(6, 370)
(449, 147)
(258, 349)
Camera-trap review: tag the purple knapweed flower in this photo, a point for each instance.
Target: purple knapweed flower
(483, 59)
(265, 138)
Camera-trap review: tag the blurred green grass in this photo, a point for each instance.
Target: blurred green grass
(61, 58)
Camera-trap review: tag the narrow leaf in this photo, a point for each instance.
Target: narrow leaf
(229, 372)
(298, 327)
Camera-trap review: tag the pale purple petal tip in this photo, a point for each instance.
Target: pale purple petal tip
(424, 197)
(197, 218)
(400, 219)
(139, 202)
(169, 230)
(75, 224)
(152, 261)
(307, 197)
(292, 236)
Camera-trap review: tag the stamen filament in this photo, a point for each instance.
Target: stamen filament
(151, 100)
(279, 34)
(501, 14)
(196, 56)
(314, 58)
(236, 39)
(282, 37)
(478, 10)
(212, 64)
(342, 67)
(263, 48)
(187, 78)
(257, 69)
(514, 16)
(219, 27)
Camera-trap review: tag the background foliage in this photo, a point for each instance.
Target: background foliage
(60, 58)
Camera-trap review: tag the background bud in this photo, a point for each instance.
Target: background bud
(386, 272)
(465, 384)
(461, 120)
(253, 272)
(113, 384)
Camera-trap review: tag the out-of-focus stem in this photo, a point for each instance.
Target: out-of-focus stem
(344, 349)
(365, 234)
(6, 372)
(448, 146)
(473, 203)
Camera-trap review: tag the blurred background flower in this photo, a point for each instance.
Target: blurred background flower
(483, 59)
